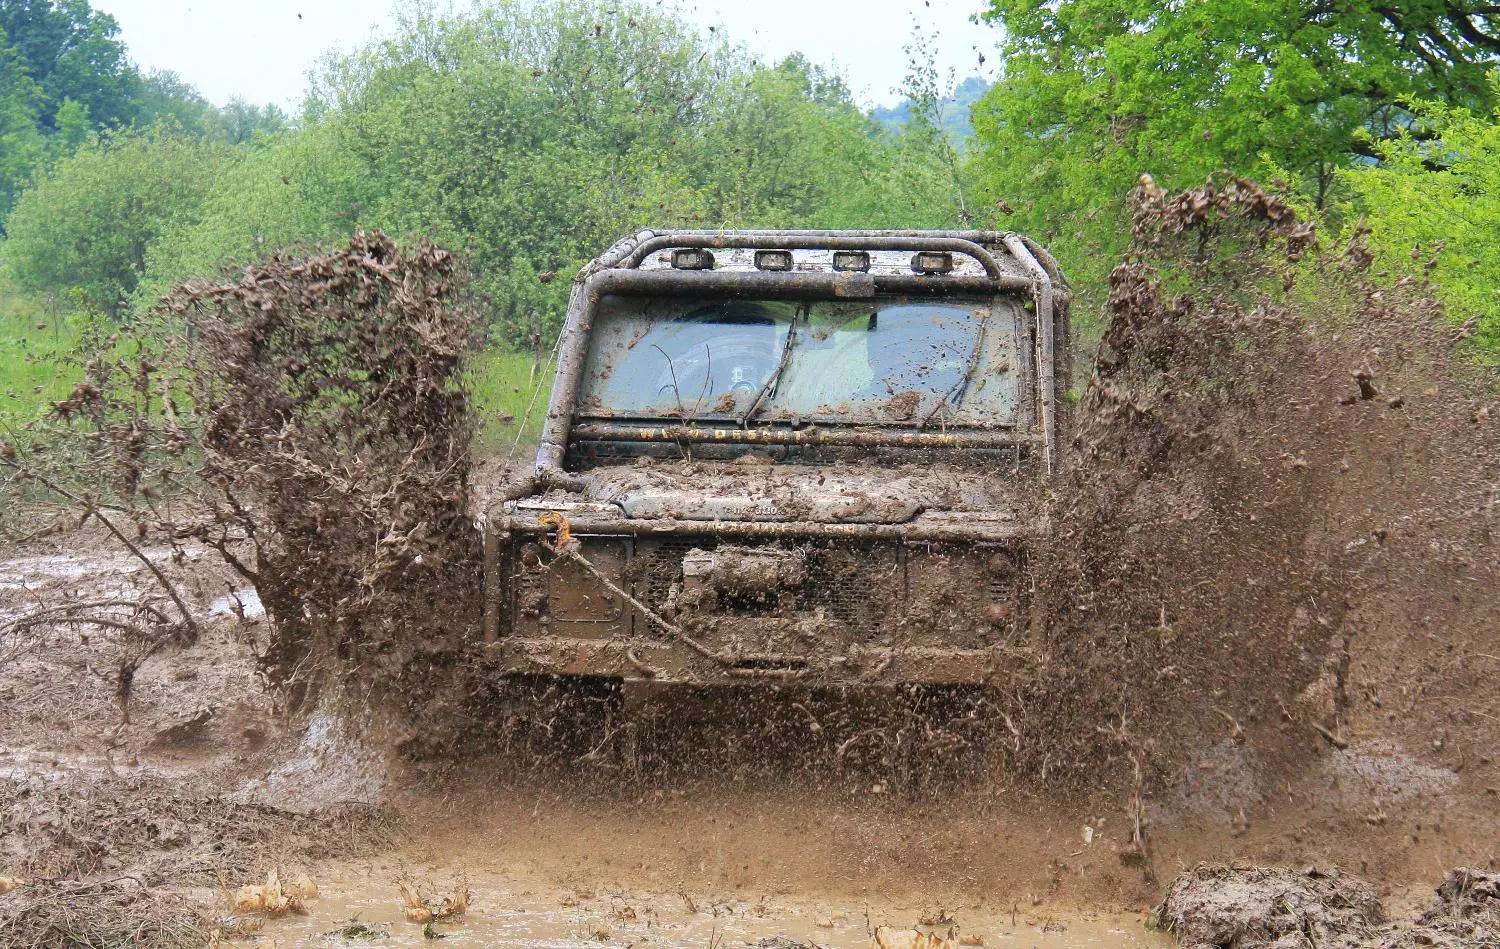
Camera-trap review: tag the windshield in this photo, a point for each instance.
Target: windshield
(896, 360)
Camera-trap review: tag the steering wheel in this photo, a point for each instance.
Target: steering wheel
(738, 362)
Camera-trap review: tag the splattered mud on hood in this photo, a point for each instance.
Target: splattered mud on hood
(762, 491)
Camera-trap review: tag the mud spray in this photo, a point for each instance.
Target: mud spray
(1268, 602)
(1284, 477)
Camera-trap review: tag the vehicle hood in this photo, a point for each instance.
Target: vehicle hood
(741, 491)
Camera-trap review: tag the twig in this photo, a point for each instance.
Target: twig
(161, 578)
(849, 742)
(649, 671)
(91, 509)
(1334, 740)
(565, 549)
(681, 412)
(1239, 733)
(812, 720)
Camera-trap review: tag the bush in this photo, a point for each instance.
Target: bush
(87, 224)
(1439, 192)
(528, 138)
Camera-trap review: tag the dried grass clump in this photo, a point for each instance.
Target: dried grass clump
(67, 914)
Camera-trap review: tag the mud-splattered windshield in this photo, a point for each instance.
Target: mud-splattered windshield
(890, 360)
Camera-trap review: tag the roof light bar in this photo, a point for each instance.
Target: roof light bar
(851, 260)
(692, 258)
(932, 262)
(773, 260)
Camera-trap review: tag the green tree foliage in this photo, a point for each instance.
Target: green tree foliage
(72, 52)
(1098, 91)
(529, 136)
(87, 223)
(73, 129)
(165, 99)
(953, 115)
(21, 146)
(64, 75)
(240, 122)
(1437, 191)
(291, 189)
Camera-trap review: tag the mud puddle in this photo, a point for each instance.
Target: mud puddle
(519, 910)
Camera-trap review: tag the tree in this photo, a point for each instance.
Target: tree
(1436, 193)
(21, 147)
(163, 98)
(1096, 92)
(73, 129)
(87, 223)
(72, 52)
(530, 136)
(240, 122)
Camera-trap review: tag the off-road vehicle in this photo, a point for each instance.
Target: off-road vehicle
(786, 455)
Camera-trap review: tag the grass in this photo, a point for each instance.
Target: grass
(33, 339)
(510, 394)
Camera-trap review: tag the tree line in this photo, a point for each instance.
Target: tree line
(65, 77)
(529, 135)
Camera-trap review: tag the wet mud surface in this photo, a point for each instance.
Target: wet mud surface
(192, 805)
(513, 909)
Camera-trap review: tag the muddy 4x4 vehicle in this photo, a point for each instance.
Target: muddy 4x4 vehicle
(775, 455)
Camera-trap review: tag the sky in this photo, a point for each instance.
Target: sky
(262, 50)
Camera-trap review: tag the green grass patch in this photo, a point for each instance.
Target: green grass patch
(34, 339)
(510, 394)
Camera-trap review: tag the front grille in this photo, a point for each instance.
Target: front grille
(848, 584)
(658, 566)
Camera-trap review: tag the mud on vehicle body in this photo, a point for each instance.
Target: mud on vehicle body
(786, 455)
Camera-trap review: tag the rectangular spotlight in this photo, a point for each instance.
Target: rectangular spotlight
(692, 258)
(855, 260)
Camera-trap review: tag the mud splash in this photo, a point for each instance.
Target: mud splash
(1283, 480)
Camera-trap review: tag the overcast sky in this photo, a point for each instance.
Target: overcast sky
(261, 50)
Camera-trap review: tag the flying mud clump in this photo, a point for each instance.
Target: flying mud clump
(309, 421)
(1278, 452)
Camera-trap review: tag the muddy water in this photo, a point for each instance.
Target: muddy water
(520, 910)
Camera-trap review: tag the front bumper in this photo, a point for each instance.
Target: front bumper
(867, 603)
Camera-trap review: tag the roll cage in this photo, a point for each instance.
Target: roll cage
(998, 262)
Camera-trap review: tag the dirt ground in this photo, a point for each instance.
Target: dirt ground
(206, 788)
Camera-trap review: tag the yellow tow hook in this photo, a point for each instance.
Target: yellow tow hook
(557, 522)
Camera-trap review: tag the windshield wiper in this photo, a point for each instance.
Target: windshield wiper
(775, 376)
(962, 385)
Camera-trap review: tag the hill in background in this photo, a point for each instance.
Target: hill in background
(955, 111)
